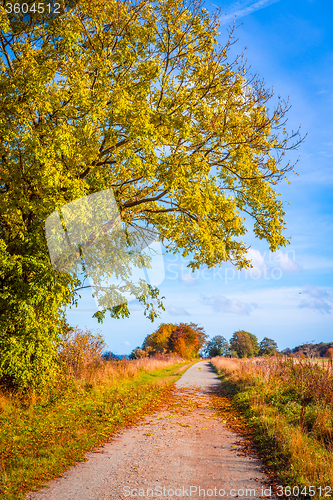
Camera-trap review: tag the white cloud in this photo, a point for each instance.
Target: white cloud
(316, 304)
(188, 279)
(126, 343)
(315, 292)
(318, 301)
(219, 303)
(257, 260)
(241, 9)
(177, 311)
(286, 263)
(265, 263)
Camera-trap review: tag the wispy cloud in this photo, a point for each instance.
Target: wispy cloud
(282, 260)
(241, 9)
(177, 311)
(188, 279)
(219, 303)
(315, 292)
(257, 260)
(318, 299)
(286, 263)
(316, 304)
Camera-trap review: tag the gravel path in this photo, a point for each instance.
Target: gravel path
(182, 451)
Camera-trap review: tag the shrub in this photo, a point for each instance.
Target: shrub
(80, 350)
(139, 353)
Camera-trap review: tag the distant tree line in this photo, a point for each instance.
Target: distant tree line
(241, 345)
(190, 341)
(311, 350)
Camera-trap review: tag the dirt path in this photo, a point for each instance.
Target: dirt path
(168, 455)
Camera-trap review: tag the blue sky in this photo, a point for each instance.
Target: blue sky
(287, 296)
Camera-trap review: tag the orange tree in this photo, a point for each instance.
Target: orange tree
(158, 340)
(186, 340)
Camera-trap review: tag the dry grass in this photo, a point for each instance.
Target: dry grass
(82, 369)
(290, 402)
(228, 365)
(95, 376)
(80, 358)
(122, 369)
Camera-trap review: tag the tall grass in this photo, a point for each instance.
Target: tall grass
(290, 403)
(80, 359)
(110, 372)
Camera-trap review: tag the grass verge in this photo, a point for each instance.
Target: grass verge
(40, 439)
(278, 403)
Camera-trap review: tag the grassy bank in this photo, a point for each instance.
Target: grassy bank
(42, 435)
(289, 405)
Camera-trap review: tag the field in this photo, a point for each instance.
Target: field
(289, 404)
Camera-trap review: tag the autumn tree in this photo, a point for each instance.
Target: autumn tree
(140, 98)
(268, 347)
(158, 341)
(244, 344)
(217, 346)
(187, 340)
(184, 339)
